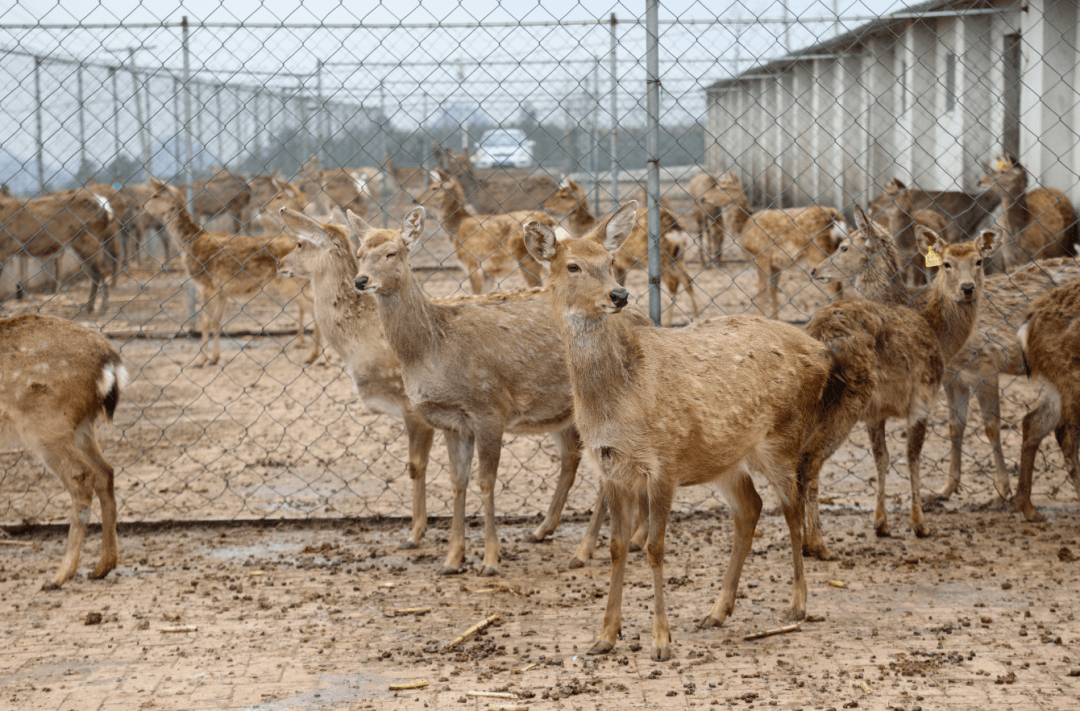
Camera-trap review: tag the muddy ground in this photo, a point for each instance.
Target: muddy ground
(298, 616)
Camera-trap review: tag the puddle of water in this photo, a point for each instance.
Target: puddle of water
(332, 691)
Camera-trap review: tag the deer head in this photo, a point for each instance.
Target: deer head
(384, 254)
(961, 274)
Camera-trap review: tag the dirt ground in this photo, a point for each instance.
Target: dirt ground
(301, 616)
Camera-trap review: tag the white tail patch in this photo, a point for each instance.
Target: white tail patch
(105, 205)
(1022, 336)
(435, 177)
(112, 375)
(360, 180)
(679, 238)
(561, 235)
(839, 229)
(565, 184)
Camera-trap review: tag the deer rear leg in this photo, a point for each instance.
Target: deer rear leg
(792, 506)
(641, 527)
(876, 431)
(989, 395)
(745, 505)
(958, 396)
(420, 436)
(619, 502)
(569, 445)
(488, 450)
(1068, 437)
(67, 463)
(814, 541)
(592, 532)
(460, 448)
(316, 342)
(104, 487)
(916, 437)
(1038, 423)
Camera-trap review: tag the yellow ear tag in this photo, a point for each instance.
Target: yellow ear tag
(1000, 165)
(933, 259)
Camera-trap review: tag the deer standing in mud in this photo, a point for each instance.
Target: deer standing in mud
(639, 407)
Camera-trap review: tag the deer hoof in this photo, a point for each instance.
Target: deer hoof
(50, 586)
(488, 572)
(98, 575)
(1030, 512)
(661, 654)
(795, 614)
(819, 551)
(407, 544)
(634, 546)
(709, 622)
(882, 530)
(922, 530)
(601, 648)
(576, 563)
(451, 570)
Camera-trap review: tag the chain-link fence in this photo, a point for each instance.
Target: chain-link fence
(709, 119)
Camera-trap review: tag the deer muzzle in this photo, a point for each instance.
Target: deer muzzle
(967, 289)
(619, 298)
(361, 283)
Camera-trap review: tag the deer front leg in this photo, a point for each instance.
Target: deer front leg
(592, 533)
(745, 506)
(420, 435)
(488, 449)
(569, 445)
(1037, 424)
(641, 527)
(660, 498)
(619, 503)
(957, 395)
(989, 395)
(916, 437)
(1068, 437)
(876, 431)
(460, 448)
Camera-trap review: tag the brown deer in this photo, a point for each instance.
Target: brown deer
(490, 247)
(220, 265)
(870, 264)
(777, 239)
(351, 323)
(498, 192)
(964, 212)
(639, 407)
(346, 188)
(1037, 223)
(1050, 338)
(571, 205)
(223, 193)
(77, 219)
(901, 217)
(57, 381)
(474, 371)
(894, 358)
(718, 203)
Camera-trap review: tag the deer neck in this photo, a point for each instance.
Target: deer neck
(883, 282)
(339, 307)
(410, 322)
(183, 227)
(453, 213)
(1015, 213)
(581, 221)
(951, 320)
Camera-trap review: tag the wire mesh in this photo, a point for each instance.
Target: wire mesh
(786, 106)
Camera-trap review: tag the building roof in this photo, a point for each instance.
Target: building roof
(887, 25)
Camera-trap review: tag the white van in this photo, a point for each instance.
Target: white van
(504, 147)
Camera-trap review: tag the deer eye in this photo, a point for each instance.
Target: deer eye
(947, 265)
(573, 268)
(843, 248)
(978, 262)
(391, 255)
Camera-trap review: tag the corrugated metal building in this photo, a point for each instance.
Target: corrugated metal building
(928, 95)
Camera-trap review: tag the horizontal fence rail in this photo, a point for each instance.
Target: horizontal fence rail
(751, 140)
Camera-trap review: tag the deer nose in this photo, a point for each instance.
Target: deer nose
(619, 298)
(967, 289)
(360, 283)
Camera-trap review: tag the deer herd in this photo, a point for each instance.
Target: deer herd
(927, 297)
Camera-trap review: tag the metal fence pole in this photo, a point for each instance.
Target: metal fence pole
(37, 119)
(82, 119)
(614, 120)
(257, 142)
(594, 135)
(116, 117)
(321, 109)
(143, 142)
(652, 143)
(304, 153)
(188, 172)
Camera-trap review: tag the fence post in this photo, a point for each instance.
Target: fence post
(37, 118)
(256, 92)
(188, 173)
(652, 144)
(304, 154)
(321, 109)
(594, 134)
(614, 121)
(116, 117)
(82, 119)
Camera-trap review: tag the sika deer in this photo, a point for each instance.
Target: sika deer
(500, 191)
(1050, 338)
(1037, 223)
(870, 264)
(223, 193)
(474, 371)
(490, 247)
(893, 359)
(726, 202)
(56, 381)
(639, 405)
(902, 216)
(220, 265)
(570, 203)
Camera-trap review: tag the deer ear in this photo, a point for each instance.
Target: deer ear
(930, 245)
(412, 227)
(862, 222)
(895, 187)
(157, 184)
(991, 240)
(541, 241)
(619, 226)
(337, 217)
(303, 227)
(360, 229)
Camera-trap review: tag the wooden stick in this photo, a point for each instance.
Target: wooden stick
(408, 685)
(408, 611)
(6, 542)
(181, 628)
(493, 707)
(473, 630)
(770, 633)
(492, 694)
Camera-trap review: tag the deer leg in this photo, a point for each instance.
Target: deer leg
(619, 502)
(488, 450)
(218, 315)
(1038, 423)
(916, 436)
(316, 342)
(1068, 437)
(792, 505)
(660, 499)
(745, 505)
(813, 542)
(763, 284)
(103, 483)
(460, 448)
(300, 332)
(592, 533)
(206, 320)
(685, 278)
(876, 431)
(420, 435)
(67, 463)
(989, 395)
(569, 445)
(958, 396)
(641, 527)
